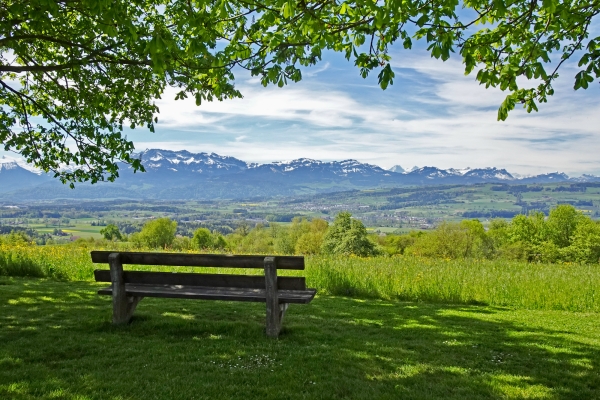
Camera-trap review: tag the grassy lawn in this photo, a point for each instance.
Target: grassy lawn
(56, 342)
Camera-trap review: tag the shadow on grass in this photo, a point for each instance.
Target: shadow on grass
(56, 341)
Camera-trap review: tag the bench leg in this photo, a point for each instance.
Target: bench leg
(275, 319)
(282, 309)
(123, 305)
(123, 309)
(274, 309)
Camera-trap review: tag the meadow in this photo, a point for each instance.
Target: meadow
(539, 286)
(57, 342)
(379, 328)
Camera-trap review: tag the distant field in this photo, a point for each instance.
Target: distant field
(79, 228)
(380, 209)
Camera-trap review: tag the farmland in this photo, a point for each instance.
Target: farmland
(383, 210)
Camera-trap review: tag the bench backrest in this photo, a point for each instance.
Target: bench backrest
(201, 260)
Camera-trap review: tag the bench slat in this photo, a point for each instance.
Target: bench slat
(211, 293)
(199, 260)
(209, 280)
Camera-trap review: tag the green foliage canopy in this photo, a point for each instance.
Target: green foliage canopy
(348, 236)
(73, 73)
(566, 235)
(204, 239)
(158, 233)
(111, 232)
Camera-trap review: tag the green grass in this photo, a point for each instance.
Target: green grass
(571, 287)
(56, 341)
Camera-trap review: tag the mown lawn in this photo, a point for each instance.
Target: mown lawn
(56, 342)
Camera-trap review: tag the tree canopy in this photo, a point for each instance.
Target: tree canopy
(74, 73)
(347, 236)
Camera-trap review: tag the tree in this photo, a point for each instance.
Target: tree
(311, 240)
(111, 232)
(562, 223)
(347, 236)
(202, 238)
(585, 245)
(73, 73)
(450, 240)
(158, 233)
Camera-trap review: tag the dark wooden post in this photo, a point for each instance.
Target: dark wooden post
(123, 306)
(273, 310)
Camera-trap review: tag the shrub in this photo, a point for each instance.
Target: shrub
(158, 233)
(348, 236)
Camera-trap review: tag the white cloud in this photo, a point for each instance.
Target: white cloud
(433, 115)
(319, 107)
(317, 119)
(309, 72)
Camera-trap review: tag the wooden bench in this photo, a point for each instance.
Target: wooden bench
(129, 287)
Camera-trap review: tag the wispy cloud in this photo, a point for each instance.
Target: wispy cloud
(432, 115)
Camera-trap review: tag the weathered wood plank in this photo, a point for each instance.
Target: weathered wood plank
(210, 293)
(120, 302)
(209, 280)
(272, 298)
(199, 260)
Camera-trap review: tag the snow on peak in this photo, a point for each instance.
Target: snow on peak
(10, 163)
(397, 169)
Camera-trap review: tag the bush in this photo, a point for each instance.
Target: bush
(348, 236)
(111, 232)
(204, 239)
(158, 233)
(452, 240)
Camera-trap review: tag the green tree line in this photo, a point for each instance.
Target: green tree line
(565, 235)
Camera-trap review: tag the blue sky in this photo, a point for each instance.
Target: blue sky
(432, 116)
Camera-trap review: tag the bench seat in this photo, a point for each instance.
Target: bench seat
(212, 293)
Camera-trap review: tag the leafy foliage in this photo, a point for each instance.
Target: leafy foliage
(111, 232)
(158, 233)
(204, 239)
(452, 240)
(348, 236)
(565, 236)
(73, 74)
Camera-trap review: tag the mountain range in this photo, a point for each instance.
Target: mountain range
(204, 176)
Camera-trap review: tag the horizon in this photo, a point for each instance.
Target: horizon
(406, 170)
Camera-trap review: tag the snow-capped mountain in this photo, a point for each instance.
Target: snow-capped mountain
(586, 178)
(185, 175)
(546, 178)
(489, 174)
(398, 169)
(306, 168)
(14, 176)
(157, 160)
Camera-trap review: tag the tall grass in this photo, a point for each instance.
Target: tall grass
(64, 262)
(573, 287)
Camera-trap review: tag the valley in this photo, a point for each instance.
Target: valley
(383, 210)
